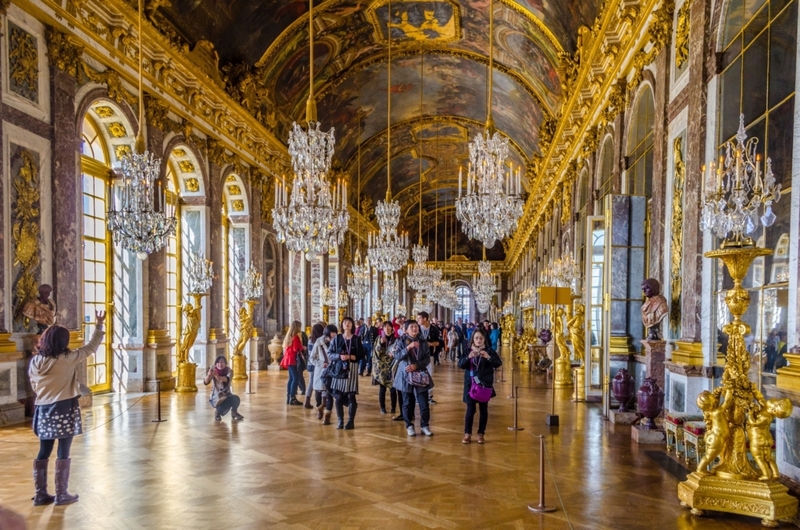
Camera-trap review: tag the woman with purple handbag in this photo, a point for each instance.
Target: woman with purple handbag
(412, 379)
(479, 367)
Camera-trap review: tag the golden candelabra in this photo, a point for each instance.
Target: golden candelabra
(736, 414)
(246, 326)
(508, 334)
(187, 371)
(528, 337)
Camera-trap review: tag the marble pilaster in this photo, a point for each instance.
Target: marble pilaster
(156, 262)
(65, 213)
(660, 148)
(217, 252)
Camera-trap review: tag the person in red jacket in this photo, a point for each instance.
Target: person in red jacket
(292, 345)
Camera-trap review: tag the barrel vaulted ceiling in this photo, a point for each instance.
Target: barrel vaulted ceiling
(263, 50)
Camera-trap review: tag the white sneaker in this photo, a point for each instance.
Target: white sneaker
(426, 431)
(410, 431)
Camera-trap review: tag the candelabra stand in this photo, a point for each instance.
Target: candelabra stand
(246, 328)
(187, 371)
(528, 336)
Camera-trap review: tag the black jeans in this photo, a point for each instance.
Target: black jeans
(382, 397)
(484, 417)
(46, 448)
(410, 400)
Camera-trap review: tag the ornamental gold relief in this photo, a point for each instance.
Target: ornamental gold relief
(23, 63)
(676, 243)
(682, 34)
(25, 233)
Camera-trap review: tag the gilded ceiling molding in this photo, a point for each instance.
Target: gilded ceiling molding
(337, 80)
(301, 23)
(466, 267)
(105, 29)
(64, 52)
(650, 29)
(379, 138)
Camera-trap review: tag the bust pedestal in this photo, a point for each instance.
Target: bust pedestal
(654, 353)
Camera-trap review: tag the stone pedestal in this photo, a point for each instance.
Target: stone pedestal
(239, 365)
(654, 354)
(622, 418)
(580, 381)
(158, 359)
(187, 377)
(217, 345)
(257, 353)
(11, 410)
(640, 435)
(563, 373)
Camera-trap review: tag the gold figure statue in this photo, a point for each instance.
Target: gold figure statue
(733, 485)
(563, 377)
(507, 328)
(577, 332)
(717, 431)
(245, 328)
(192, 315)
(760, 437)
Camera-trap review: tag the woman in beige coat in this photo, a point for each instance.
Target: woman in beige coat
(57, 415)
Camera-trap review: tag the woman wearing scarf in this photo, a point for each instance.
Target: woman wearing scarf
(222, 399)
(481, 363)
(413, 355)
(383, 357)
(346, 348)
(319, 360)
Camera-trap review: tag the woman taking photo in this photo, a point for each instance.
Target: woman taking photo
(383, 357)
(57, 413)
(346, 348)
(318, 358)
(479, 367)
(292, 346)
(222, 398)
(413, 355)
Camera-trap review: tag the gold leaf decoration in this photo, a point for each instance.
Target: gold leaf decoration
(179, 152)
(234, 190)
(682, 35)
(104, 111)
(25, 230)
(238, 205)
(122, 150)
(231, 178)
(676, 248)
(64, 52)
(192, 185)
(23, 63)
(116, 130)
(186, 166)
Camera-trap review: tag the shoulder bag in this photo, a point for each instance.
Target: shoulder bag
(418, 378)
(477, 390)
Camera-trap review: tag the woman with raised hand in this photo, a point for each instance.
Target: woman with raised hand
(57, 412)
(318, 358)
(413, 356)
(383, 359)
(479, 367)
(292, 345)
(347, 350)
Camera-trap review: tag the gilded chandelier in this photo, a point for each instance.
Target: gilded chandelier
(314, 218)
(142, 220)
(492, 205)
(735, 191)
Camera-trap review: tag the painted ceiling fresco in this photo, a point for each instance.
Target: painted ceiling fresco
(268, 41)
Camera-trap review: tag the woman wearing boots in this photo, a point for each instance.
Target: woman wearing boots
(222, 397)
(481, 362)
(57, 415)
(292, 345)
(413, 355)
(316, 332)
(319, 360)
(346, 348)
(383, 358)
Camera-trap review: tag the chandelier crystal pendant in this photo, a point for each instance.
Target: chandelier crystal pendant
(141, 219)
(200, 274)
(484, 285)
(253, 284)
(359, 278)
(390, 291)
(491, 207)
(314, 218)
(735, 190)
(565, 271)
(388, 250)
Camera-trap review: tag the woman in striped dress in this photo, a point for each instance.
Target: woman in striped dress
(346, 348)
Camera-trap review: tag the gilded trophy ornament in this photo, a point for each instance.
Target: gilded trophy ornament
(676, 246)
(25, 231)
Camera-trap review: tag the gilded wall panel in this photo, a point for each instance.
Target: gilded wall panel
(23, 63)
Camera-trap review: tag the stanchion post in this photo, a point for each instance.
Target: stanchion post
(541, 507)
(552, 418)
(249, 376)
(158, 397)
(513, 382)
(516, 426)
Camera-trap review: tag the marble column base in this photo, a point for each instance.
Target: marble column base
(640, 435)
(622, 418)
(158, 360)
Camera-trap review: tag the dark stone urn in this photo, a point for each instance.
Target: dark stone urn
(623, 385)
(651, 401)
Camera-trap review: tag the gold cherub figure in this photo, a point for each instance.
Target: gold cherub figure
(760, 437)
(718, 432)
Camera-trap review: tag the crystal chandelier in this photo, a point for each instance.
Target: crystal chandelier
(492, 205)
(565, 271)
(527, 299)
(342, 299)
(377, 306)
(484, 285)
(420, 273)
(388, 250)
(200, 274)
(314, 218)
(142, 220)
(421, 303)
(735, 191)
(400, 310)
(327, 297)
(508, 308)
(253, 284)
(390, 293)
(359, 278)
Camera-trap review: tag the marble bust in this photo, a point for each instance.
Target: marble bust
(655, 308)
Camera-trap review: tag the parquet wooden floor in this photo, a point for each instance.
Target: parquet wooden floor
(281, 469)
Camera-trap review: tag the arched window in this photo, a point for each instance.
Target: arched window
(606, 169)
(640, 146)
(173, 264)
(237, 258)
(464, 303)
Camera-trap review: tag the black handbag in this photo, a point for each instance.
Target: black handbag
(337, 369)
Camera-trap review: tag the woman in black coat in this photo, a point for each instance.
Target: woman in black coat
(481, 362)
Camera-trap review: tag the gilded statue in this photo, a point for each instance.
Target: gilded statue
(269, 292)
(760, 437)
(655, 309)
(192, 316)
(245, 329)
(577, 332)
(42, 309)
(558, 334)
(718, 432)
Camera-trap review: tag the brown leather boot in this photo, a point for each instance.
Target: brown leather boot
(62, 482)
(467, 439)
(307, 402)
(320, 411)
(327, 418)
(40, 483)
